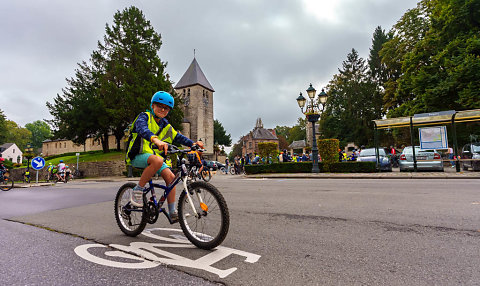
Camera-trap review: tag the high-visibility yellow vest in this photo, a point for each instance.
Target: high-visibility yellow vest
(168, 161)
(138, 145)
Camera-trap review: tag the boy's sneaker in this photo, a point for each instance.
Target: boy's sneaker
(174, 217)
(136, 198)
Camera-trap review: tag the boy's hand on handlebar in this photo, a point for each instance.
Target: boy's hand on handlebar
(161, 145)
(199, 144)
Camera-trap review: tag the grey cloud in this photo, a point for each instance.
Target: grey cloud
(258, 55)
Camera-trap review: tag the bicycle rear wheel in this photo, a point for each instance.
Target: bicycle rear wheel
(130, 219)
(6, 184)
(206, 175)
(209, 227)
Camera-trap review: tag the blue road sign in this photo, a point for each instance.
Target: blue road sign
(38, 163)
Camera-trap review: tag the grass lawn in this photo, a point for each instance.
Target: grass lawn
(86, 157)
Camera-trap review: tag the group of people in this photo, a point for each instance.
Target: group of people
(61, 171)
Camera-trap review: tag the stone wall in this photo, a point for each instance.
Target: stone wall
(55, 147)
(89, 169)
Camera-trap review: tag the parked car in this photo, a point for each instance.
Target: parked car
(220, 166)
(427, 160)
(471, 151)
(212, 165)
(369, 155)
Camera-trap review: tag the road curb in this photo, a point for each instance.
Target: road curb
(350, 176)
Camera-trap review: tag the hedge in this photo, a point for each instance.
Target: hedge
(306, 167)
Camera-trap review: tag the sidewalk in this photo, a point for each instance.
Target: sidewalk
(392, 175)
(448, 174)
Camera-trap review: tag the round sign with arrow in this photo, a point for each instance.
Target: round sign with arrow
(38, 163)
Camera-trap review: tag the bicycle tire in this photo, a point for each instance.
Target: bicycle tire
(232, 170)
(124, 218)
(206, 175)
(6, 184)
(210, 229)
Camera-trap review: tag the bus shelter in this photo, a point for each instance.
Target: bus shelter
(427, 119)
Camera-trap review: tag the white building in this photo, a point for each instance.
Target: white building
(10, 151)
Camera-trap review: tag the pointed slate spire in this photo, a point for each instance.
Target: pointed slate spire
(194, 75)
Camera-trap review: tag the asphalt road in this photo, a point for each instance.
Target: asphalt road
(283, 232)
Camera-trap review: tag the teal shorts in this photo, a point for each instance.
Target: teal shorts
(140, 161)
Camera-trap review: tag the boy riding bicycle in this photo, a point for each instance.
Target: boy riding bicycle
(3, 169)
(151, 128)
(195, 159)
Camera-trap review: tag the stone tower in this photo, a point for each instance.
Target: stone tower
(197, 94)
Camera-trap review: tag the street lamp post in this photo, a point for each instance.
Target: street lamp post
(313, 110)
(29, 155)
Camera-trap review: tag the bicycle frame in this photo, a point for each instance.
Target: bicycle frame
(180, 175)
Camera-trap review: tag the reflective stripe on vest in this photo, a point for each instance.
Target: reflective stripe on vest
(139, 145)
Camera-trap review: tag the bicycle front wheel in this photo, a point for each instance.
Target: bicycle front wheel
(130, 219)
(206, 175)
(207, 225)
(6, 184)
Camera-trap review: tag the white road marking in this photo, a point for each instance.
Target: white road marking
(148, 255)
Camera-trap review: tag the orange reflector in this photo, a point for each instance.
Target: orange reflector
(204, 207)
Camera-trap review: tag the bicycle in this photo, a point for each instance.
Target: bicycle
(202, 210)
(5, 182)
(63, 177)
(26, 177)
(239, 170)
(194, 174)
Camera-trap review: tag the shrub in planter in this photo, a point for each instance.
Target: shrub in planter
(328, 150)
(306, 167)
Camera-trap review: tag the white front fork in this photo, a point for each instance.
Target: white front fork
(190, 202)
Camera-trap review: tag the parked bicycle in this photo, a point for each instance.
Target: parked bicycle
(6, 183)
(238, 170)
(202, 210)
(194, 173)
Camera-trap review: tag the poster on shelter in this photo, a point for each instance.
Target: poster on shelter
(433, 137)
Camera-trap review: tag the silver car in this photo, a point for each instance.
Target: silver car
(427, 160)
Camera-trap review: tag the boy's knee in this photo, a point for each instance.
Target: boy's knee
(156, 161)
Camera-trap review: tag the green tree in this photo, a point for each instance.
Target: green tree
(78, 111)
(220, 135)
(287, 134)
(441, 71)
(133, 70)
(3, 127)
(378, 70)
(40, 131)
(18, 135)
(236, 150)
(108, 92)
(282, 142)
(268, 150)
(354, 101)
(402, 38)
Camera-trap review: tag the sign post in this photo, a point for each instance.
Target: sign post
(78, 157)
(38, 163)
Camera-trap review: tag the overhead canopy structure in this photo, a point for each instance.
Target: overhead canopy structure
(425, 119)
(433, 118)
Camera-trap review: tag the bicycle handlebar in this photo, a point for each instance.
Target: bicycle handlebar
(172, 149)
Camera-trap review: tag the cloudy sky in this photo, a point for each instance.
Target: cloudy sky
(258, 55)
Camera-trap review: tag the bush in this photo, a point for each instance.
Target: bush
(328, 150)
(268, 149)
(306, 167)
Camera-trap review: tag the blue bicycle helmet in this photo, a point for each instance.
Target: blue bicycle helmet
(61, 161)
(164, 98)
